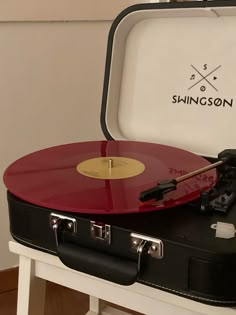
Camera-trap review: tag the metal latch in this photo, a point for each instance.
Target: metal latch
(66, 223)
(100, 231)
(152, 246)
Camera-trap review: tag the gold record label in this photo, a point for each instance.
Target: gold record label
(110, 167)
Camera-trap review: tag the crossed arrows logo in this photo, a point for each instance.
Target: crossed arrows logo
(204, 78)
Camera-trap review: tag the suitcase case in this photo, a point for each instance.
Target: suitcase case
(169, 69)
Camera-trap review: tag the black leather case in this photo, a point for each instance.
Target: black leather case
(174, 250)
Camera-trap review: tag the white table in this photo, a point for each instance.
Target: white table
(35, 267)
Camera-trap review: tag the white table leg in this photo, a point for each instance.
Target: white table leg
(31, 290)
(108, 310)
(95, 308)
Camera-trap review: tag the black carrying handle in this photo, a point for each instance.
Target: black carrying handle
(92, 262)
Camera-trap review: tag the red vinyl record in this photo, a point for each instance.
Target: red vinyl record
(105, 177)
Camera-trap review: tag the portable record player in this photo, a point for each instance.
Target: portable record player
(155, 202)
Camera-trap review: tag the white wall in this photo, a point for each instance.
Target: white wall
(51, 76)
(50, 92)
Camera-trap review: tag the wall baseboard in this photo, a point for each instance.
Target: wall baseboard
(9, 279)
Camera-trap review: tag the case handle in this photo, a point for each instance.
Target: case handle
(90, 261)
(98, 264)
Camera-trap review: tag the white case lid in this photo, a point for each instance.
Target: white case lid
(170, 76)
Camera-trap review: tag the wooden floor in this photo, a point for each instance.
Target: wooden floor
(59, 301)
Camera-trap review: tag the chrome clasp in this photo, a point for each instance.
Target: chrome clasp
(66, 223)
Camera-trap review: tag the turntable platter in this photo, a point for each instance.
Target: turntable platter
(105, 177)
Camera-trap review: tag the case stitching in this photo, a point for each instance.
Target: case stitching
(35, 246)
(186, 294)
(143, 281)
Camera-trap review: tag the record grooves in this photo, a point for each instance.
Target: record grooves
(50, 178)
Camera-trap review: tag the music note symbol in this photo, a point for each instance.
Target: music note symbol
(192, 77)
